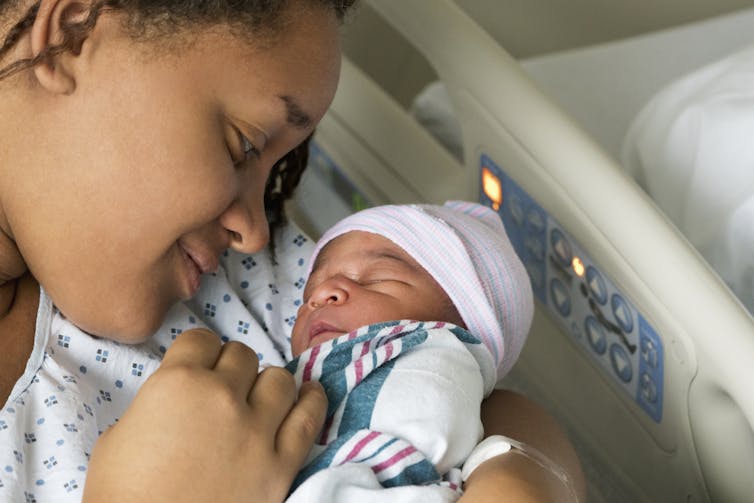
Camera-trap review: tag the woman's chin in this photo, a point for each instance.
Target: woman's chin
(120, 327)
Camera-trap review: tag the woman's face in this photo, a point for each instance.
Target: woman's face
(140, 178)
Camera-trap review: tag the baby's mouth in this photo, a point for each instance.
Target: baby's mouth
(320, 328)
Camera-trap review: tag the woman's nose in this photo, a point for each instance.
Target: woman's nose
(331, 291)
(246, 221)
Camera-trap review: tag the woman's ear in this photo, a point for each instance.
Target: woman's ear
(52, 28)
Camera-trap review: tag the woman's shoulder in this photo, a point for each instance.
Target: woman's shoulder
(75, 386)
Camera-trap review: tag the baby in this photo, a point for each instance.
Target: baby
(411, 314)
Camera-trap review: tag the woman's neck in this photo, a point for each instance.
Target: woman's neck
(12, 267)
(12, 264)
(13, 144)
(19, 291)
(7, 294)
(17, 327)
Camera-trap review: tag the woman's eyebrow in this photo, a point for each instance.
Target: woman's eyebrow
(296, 116)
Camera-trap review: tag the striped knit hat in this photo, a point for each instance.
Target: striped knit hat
(464, 247)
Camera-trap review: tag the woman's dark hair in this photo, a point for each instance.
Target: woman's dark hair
(155, 18)
(283, 180)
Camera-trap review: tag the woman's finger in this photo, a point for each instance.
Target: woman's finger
(273, 394)
(303, 424)
(238, 365)
(198, 347)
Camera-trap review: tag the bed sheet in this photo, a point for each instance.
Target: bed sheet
(604, 86)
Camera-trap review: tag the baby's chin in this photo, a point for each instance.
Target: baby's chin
(298, 347)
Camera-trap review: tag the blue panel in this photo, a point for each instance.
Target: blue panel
(526, 224)
(582, 298)
(649, 394)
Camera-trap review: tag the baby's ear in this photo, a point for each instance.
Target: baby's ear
(54, 27)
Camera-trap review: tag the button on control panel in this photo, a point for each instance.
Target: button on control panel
(581, 297)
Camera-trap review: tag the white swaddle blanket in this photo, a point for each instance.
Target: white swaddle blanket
(692, 149)
(403, 412)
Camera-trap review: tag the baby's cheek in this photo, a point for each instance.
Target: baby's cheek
(298, 343)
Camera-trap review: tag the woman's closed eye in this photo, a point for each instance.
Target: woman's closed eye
(247, 150)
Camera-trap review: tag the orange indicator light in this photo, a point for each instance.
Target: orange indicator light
(578, 266)
(492, 188)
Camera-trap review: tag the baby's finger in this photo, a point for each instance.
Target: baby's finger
(238, 365)
(303, 424)
(273, 394)
(197, 347)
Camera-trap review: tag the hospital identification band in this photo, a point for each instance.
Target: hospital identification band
(496, 445)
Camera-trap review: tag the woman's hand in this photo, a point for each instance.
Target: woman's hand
(206, 427)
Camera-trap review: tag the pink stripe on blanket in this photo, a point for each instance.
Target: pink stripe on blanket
(393, 460)
(388, 350)
(365, 347)
(358, 370)
(310, 364)
(360, 445)
(359, 364)
(397, 329)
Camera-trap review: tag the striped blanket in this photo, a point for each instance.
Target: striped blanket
(403, 414)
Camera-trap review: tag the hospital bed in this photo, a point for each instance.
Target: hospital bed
(637, 347)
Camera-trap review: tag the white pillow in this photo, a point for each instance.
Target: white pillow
(692, 149)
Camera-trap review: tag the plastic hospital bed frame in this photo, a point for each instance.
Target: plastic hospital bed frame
(702, 449)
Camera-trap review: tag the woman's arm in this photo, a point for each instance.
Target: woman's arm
(513, 476)
(206, 427)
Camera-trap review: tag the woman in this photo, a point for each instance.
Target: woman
(136, 140)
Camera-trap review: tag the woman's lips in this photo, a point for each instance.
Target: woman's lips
(198, 259)
(193, 275)
(205, 261)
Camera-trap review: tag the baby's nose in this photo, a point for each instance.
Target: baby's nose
(332, 291)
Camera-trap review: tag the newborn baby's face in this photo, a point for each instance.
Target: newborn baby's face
(361, 278)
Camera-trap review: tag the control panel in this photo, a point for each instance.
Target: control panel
(582, 299)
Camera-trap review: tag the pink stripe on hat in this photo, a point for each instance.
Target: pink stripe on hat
(464, 247)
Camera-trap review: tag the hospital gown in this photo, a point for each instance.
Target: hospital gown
(404, 412)
(76, 385)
